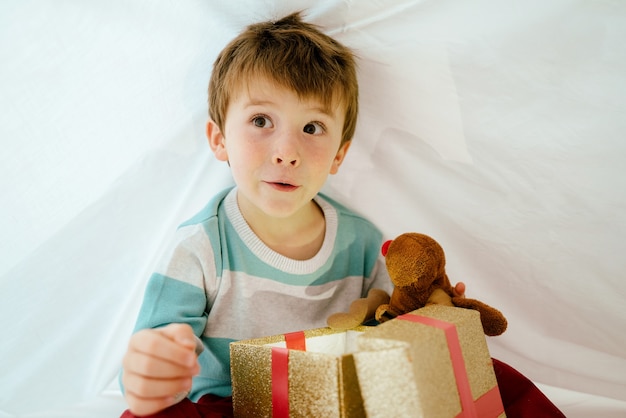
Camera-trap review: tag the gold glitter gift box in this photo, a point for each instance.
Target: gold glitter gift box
(275, 377)
(433, 362)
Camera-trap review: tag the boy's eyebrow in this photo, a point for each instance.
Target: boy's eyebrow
(261, 102)
(258, 102)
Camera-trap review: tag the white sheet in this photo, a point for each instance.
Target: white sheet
(495, 126)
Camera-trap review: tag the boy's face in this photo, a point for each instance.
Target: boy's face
(280, 148)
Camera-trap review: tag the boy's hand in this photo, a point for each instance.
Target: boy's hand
(158, 367)
(459, 290)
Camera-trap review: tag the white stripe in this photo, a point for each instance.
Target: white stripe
(182, 262)
(251, 307)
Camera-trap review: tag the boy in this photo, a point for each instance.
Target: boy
(270, 255)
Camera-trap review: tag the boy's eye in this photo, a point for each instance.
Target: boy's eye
(262, 122)
(313, 128)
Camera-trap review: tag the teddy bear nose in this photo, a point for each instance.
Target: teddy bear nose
(385, 247)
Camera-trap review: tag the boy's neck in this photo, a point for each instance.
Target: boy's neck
(298, 237)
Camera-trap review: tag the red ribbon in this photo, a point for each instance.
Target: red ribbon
(295, 341)
(280, 372)
(489, 404)
(280, 382)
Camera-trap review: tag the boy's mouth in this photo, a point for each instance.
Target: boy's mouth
(279, 185)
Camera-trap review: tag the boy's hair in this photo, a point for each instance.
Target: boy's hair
(294, 54)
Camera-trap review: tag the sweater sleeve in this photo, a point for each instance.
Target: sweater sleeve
(168, 301)
(176, 292)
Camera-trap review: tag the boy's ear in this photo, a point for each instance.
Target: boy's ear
(216, 140)
(341, 154)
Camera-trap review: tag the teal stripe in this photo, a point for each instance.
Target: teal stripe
(207, 218)
(355, 256)
(214, 369)
(167, 300)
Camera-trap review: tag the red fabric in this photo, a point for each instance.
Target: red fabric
(521, 399)
(208, 406)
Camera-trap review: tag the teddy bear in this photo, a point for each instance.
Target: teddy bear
(416, 266)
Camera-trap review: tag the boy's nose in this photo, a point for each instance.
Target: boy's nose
(285, 152)
(280, 160)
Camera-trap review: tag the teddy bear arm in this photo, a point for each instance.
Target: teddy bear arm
(385, 312)
(493, 321)
(361, 310)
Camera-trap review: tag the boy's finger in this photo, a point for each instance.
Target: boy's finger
(147, 388)
(459, 289)
(156, 343)
(147, 365)
(180, 333)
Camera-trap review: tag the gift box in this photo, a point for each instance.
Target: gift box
(432, 362)
(301, 374)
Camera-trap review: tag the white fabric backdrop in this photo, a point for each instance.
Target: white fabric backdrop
(497, 127)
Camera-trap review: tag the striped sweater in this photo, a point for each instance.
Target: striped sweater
(221, 279)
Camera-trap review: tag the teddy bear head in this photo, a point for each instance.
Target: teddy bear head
(414, 259)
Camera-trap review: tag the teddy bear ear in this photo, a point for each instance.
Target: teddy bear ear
(385, 247)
